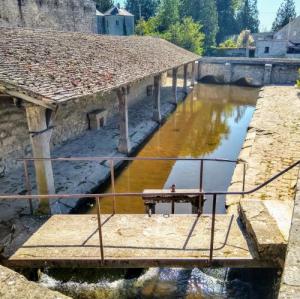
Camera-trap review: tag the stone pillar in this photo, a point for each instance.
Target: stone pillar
(193, 74)
(199, 70)
(124, 143)
(174, 86)
(267, 74)
(39, 121)
(185, 77)
(157, 87)
(228, 73)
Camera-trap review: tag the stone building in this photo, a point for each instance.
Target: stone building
(115, 21)
(55, 86)
(284, 43)
(71, 15)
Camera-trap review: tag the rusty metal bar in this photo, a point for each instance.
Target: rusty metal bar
(201, 197)
(173, 207)
(28, 185)
(57, 196)
(100, 229)
(112, 176)
(128, 159)
(244, 178)
(201, 175)
(213, 220)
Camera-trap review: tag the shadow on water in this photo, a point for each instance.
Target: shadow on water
(211, 123)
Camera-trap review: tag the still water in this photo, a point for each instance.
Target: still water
(210, 123)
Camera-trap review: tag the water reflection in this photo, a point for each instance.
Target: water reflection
(212, 123)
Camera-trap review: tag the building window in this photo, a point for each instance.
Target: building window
(267, 50)
(117, 22)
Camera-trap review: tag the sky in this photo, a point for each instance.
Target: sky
(267, 12)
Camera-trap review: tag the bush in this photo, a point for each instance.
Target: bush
(298, 81)
(229, 43)
(186, 34)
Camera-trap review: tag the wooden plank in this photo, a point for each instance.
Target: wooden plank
(135, 241)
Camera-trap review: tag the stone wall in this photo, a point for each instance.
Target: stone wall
(254, 72)
(71, 121)
(71, 15)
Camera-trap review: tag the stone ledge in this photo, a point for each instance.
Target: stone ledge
(15, 285)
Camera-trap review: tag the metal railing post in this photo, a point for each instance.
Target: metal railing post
(201, 197)
(112, 176)
(212, 234)
(100, 229)
(28, 185)
(244, 178)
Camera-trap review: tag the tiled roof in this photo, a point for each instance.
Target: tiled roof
(57, 66)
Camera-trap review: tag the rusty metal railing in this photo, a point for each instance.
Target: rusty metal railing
(98, 197)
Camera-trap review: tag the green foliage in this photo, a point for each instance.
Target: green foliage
(247, 17)
(226, 19)
(229, 43)
(298, 81)
(147, 8)
(285, 14)
(205, 12)
(104, 5)
(168, 14)
(149, 27)
(245, 39)
(187, 35)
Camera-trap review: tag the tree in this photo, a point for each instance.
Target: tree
(226, 19)
(229, 43)
(145, 8)
(148, 27)
(187, 35)
(285, 14)
(104, 5)
(168, 14)
(245, 39)
(205, 12)
(248, 16)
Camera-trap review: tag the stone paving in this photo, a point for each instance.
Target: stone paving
(85, 177)
(272, 144)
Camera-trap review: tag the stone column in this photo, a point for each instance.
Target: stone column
(267, 74)
(199, 70)
(39, 121)
(193, 74)
(174, 86)
(157, 88)
(124, 143)
(185, 77)
(228, 73)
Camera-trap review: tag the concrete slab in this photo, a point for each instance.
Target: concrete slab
(136, 241)
(263, 229)
(282, 212)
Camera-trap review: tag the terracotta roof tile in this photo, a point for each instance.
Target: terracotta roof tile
(58, 66)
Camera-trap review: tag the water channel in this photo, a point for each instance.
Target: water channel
(210, 123)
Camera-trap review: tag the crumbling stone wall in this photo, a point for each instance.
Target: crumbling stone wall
(70, 15)
(71, 121)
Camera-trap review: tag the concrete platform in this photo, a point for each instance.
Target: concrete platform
(136, 241)
(268, 223)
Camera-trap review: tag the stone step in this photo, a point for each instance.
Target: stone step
(267, 223)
